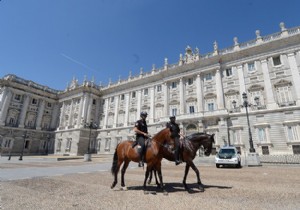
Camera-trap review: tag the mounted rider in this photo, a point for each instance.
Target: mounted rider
(141, 130)
(175, 134)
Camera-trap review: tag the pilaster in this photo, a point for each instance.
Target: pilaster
(268, 86)
(199, 92)
(24, 111)
(295, 75)
(219, 88)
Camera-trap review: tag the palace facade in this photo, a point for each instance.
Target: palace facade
(203, 91)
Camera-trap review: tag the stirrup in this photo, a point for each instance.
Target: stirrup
(141, 164)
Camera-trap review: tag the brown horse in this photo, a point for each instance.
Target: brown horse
(190, 146)
(125, 153)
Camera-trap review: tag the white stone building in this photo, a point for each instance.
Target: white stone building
(203, 91)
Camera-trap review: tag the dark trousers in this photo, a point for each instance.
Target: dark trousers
(177, 144)
(141, 141)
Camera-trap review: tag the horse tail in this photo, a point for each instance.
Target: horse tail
(114, 167)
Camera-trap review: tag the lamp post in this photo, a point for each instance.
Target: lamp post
(24, 141)
(47, 146)
(88, 155)
(246, 105)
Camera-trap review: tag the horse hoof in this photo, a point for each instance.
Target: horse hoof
(124, 188)
(201, 189)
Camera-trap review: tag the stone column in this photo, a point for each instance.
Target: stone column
(86, 98)
(71, 113)
(55, 116)
(116, 111)
(7, 95)
(24, 111)
(166, 99)
(62, 114)
(181, 96)
(199, 93)
(139, 101)
(89, 109)
(152, 106)
(126, 117)
(241, 81)
(40, 114)
(295, 75)
(219, 88)
(79, 120)
(268, 86)
(106, 112)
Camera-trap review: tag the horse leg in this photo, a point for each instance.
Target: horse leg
(156, 180)
(126, 163)
(115, 173)
(148, 170)
(161, 184)
(150, 177)
(201, 186)
(186, 171)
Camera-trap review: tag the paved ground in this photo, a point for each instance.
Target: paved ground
(266, 187)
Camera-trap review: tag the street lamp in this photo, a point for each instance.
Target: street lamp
(24, 141)
(246, 105)
(91, 126)
(47, 146)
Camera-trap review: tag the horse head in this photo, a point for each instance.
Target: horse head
(204, 140)
(208, 144)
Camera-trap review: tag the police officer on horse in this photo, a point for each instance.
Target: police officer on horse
(141, 130)
(175, 134)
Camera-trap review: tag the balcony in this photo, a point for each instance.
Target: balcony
(288, 103)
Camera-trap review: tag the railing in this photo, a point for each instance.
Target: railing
(280, 159)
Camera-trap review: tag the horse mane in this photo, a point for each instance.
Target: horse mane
(193, 136)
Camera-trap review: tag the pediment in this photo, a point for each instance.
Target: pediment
(256, 87)
(282, 83)
(232, 92)
(210, 95)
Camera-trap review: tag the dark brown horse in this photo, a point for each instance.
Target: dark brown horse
(125, 153)
(190, 146)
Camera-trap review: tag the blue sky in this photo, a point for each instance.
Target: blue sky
(52, 41)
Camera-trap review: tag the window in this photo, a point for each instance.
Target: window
(107, 145)
(94, 101)
(174, 112)
(49, 105)
(276, 61)
(27, 143)
(190, 81)
(34, 101)
(145, 91)
(133, 94)
(11, 121)
(122, 97)
(174, 85)
(208, 77)
(7, 143)
(236, 136)
(210, 107)
(284, 94)
(59, 145)
(192, 109)
(265, 150)
(296, 149)
(68, 144)
(112, 99)
(251, 67)
(261, 135)
(18, 97)
(158, 88)
(228, 72)
(292, 133)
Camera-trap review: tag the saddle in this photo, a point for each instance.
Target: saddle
(147, 142)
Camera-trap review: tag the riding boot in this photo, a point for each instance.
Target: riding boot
(177, 161)
(141, 162)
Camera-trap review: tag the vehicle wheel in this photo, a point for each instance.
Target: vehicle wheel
(217, 165)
